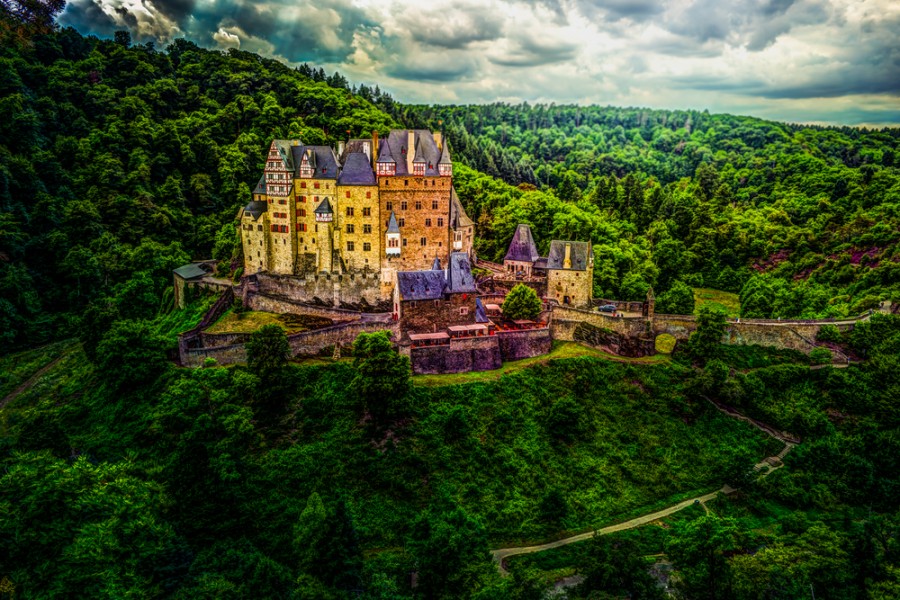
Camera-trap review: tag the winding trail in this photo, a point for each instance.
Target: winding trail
(764, 468)
(27, 385)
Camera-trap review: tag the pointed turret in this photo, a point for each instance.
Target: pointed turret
(323, 212)
(436, 265)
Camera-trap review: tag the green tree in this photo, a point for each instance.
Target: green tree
(677, 300)
(451, 553)
(267, 351)
(711, 325)
(132, 355)
(382, 378)
(616, 568)
(522, 302)
(697, 550)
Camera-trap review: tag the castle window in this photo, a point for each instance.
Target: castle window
(350, 228)
(463, 310)
(316, 198)
(389, 206)
(301, 212)
(404, 205)
(440, 222)
(282, 201)
(316, 185)
(393, 243)
(418, 205)
(427, 222)
(284, 229)
(301, 199)
(367, 228)
(259, 227)
(406, 182)
(434, 205)
(423, 241)
(274, 227)
(368, 194)
(349, 211)
(303, 184)
(301, 227)
(347, 194)
(401, 222)
(349, 246)
(367, 247)
(367, 212)
(404, 242)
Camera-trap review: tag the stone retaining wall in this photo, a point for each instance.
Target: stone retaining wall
(515, 345)
(310, 343)
(284, 305)
(459, 356)
(348, 288)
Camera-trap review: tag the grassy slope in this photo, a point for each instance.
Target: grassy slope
(726, 301)
(488, 444)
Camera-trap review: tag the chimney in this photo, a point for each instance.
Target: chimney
(567, 261)
(340, 149)
(374, 147)
(410, 150)
(438, 139)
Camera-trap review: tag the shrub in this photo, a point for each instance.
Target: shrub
(829, 333)
(522, 302)
(820, 356)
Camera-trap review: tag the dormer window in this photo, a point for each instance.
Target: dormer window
(446, 170)
(418, 168)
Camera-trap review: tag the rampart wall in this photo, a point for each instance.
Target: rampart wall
(348, 288)
(285, 305)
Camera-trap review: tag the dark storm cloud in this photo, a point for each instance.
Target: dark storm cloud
(621, 9)
(455, 30)
(431, 72)
(528, 51)
(178, 10)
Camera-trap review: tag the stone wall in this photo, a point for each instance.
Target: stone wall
(437, 315)
(224, 355)
(576, 285)
(393, 193)
(310, 343)
(459, 356)
(611, 341)
(348, 288)
(282, 305)
(566, 319)
(515, 345)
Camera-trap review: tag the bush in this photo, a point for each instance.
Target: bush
(820, 356)
(677, 300)
(829, 333)
(522, 302)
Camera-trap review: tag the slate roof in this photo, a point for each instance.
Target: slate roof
(255, 209)
(392, 224)
(480, 313)
(285, 149)
(425, 149)
(322, 159)
(522, 247)
(436, 265)
(579, 254)
(357, 170)
(324, 208)
(458, 216)
(190, 271)
(445, 154)
(420, 285)
(261, 186)
(459, 275)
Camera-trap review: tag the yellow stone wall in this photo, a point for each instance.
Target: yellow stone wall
(577, 285)
(359, 198)
(255, 240)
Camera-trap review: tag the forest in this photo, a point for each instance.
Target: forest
(123, 475)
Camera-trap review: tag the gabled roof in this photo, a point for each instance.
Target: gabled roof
(321, 158)
(392, 224)
(191, 271)
(522, 247)
(255, 209)
(285, 148)
(261, 186)
(324, 208)
(420, 285)
(424, 148)
(579, 254)
(458, 216)
(357, 170)
(459, 274)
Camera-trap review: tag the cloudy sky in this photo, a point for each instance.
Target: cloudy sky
(810, 61)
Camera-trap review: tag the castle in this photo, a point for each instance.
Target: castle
(338, 225)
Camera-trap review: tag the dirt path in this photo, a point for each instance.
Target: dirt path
(503, 553)
(29, 383)
(764, 468)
